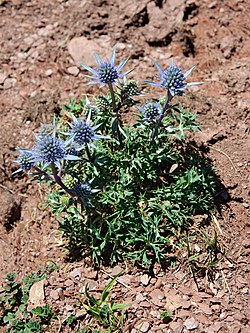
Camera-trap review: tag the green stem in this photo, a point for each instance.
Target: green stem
(88, 153)
(112, 93)
(116, 111)
(161, 116)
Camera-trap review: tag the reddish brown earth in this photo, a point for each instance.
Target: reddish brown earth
(38, 73)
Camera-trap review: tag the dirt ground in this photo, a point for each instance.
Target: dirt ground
(42, 43)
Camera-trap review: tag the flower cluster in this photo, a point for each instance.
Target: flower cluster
(82, 132)
(150, 111)
(173, 79)
(25, 160)
(107, 72)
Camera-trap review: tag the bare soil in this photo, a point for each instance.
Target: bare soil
(38, 73)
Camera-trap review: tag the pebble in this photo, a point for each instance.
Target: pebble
(177, 327)
(145, 279)
(191, 324)
(73, 70)
(145, 327)
(48, 72)
(9, 83)
(36, 294)
(54, 294)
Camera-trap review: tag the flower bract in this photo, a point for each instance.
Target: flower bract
(107, 72)
(173, 79)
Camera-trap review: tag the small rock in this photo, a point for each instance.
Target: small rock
(176, 327)
(191, 324)
(69, 308)
(116, 270)
(76, 273)
(139, 297)
(48, 72)
(90, 274)
(145, 327)
(73, 70)
(54, 294)
(68, 283)
(36, 294)
(156, 296)
(9, 83)
(145, 279)
(81, 50)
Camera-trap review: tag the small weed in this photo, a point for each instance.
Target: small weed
(14, 315)
(107, 314)
(166, 317)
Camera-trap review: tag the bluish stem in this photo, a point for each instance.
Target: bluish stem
(58, 180)
(44, 173)
(161, 116)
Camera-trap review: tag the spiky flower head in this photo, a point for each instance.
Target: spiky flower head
(173, 79)
(102, 103)
(82, 132)
(83, 191)
(131, 88)
(51, 149)
(150, 111)
(107, 72)
(25, 160)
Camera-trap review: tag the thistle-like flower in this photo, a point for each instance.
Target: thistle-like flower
(151, 111)
(173, 79)
(51, 149)
(107, 72)
(25, 160)
(81, 131)
(83, 191)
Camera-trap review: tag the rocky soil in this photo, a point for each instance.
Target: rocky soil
(42, 47)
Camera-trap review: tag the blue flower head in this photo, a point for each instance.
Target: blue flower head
(83, 191)
(82, 133)
(25, 160)
(173, 79)
(107, 72)
(51, 149)
(150, 111)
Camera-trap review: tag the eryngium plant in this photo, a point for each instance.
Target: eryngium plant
(124, 191)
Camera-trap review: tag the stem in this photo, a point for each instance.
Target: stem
(88, 153)
(44, 173)
(58, 180)
(112, 93)
(161, 116)
(115, 110)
